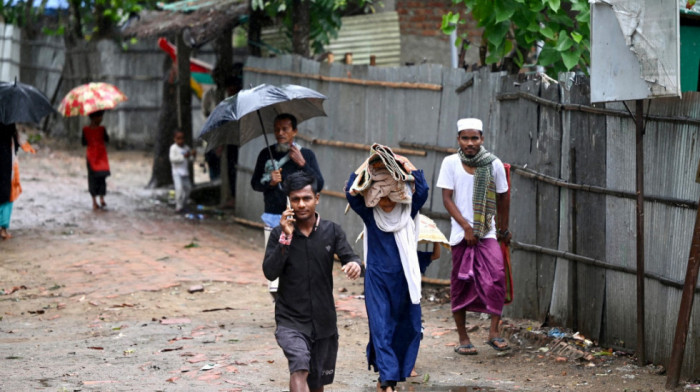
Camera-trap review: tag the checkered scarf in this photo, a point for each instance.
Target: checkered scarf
(484, 198)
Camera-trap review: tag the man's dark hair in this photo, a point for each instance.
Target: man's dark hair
(96, 114)
(299, 180)
(287, 116)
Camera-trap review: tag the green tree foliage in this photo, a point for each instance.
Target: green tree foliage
(12, 13)
(554, 34)
(324, 18)
(84, 19)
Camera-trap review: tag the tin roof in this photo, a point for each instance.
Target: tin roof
(201, 20)
(362, 35)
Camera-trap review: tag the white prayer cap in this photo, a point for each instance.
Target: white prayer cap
(469, 123)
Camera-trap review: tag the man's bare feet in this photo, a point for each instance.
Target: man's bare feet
(413, 372)
(4, 234)
(102, 202)
(95, 206)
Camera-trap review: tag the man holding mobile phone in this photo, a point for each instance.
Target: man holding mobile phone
(301, 254)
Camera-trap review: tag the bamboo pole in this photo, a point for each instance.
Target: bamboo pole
(515, 245)
(250, 223)
(589, 109)
(529, 173)
(691, 280)
(361, 82)
(327, 192)
(435, 281)
(639, 169)
(429, 147)
(357, 146)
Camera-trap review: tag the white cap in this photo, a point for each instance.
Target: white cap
(469, 123)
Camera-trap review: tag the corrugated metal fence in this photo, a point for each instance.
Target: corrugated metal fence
(9, 52)
(138, 70)
(574, 256)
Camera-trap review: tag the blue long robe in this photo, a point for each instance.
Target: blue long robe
(394, 322)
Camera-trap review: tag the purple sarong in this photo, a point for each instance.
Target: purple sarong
(478, 279)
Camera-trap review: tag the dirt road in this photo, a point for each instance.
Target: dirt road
(100, 301)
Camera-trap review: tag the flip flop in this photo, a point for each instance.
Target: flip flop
(467, 346)
(492, 343)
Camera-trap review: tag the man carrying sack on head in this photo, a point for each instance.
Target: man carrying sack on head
(475, 194)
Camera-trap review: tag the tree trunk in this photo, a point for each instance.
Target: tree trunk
(29, 28)
(76, 24)
(184, 95)
(223, 77)
(302, 20)
(167, 123)
(80, 66)
(224, 62)
(254, 30)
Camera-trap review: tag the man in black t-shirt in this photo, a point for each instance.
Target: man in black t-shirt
(301, 254)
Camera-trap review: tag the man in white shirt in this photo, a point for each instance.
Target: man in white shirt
(475, 194)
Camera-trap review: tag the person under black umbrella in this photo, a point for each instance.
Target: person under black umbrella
(287, 158)
(19, 103)
(8, 149)
(245, 116)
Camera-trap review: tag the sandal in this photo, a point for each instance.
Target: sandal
(492, 342)
(466, 349)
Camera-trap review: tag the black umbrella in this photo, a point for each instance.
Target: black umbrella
(246, 115)
(22, 103)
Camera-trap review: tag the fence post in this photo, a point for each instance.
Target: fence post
(691, 280)
(639, 120)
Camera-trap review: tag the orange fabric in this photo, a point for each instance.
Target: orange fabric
(26, 147)
(96, 151)
(15, 187)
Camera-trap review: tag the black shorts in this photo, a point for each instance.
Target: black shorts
(317, 356)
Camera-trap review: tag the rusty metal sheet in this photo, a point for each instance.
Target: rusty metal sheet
(635, 49)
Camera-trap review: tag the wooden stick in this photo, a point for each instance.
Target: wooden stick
(357, 146)
(594, 262)
(529, 173)
(435, 281)
(465, 85)
(362, 82)
(429, 147)
(246, 222)
(675, 363)
(340, 195)
(588, 109)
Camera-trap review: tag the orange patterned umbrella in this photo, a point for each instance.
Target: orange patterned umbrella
(91, 97)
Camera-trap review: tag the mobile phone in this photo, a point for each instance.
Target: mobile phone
(289, 206)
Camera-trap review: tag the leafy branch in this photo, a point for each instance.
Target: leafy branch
(553, 34)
